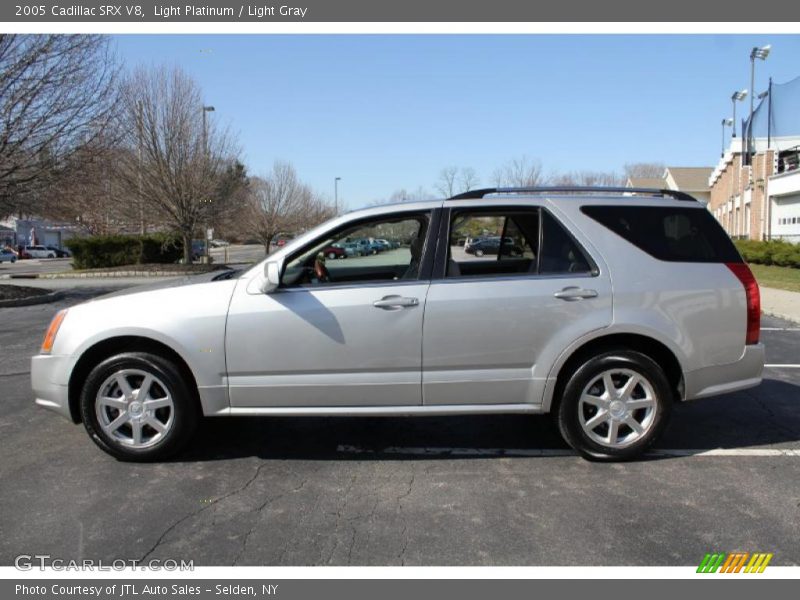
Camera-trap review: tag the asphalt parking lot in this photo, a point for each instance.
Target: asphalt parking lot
(487, 490)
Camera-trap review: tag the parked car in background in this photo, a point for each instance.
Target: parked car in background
(7, 255)
(59, 252)
(198, 249)
(354, 249)
(492, 246)
(218, 243)
(37, 252)
(334, 251)
(387, 245)
(376, 247)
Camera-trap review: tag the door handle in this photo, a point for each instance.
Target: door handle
(573, 293)
(395, 302)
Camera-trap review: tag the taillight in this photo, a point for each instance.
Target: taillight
(745, 275)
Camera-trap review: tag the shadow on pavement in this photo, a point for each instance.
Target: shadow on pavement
(763, 416)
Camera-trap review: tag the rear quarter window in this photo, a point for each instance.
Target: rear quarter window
(669, 233)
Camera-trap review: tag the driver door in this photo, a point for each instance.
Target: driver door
(353, 340)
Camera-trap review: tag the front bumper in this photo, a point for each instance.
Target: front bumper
(721, 379)
(50, 383)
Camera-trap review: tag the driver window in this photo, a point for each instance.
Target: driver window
(388, 249)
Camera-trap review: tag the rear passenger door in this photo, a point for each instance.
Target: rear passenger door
(495, 324)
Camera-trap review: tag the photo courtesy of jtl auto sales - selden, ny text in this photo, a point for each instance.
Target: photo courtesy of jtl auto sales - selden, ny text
(419, 300)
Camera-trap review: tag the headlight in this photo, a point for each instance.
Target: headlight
(52, 330)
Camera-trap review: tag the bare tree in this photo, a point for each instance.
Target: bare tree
(89, 193)
(404, 195)
(588, 178)
(520, 172)
(280, 203)
(454, 180)
(57, 95)
(468, 179)
(652, 170)
(178, 158)
(446, 183)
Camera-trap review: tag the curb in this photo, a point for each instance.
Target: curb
(778, 315)
(31, 300)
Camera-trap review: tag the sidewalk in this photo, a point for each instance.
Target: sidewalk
(781, 303)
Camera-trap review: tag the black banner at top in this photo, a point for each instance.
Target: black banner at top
(253, 11)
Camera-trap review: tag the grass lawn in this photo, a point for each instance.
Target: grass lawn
(783, 278)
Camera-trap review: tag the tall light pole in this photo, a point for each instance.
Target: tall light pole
(206, 109)
(336, 194)
(762, 54)
(139, 141)
(737, 97)
(725, 123)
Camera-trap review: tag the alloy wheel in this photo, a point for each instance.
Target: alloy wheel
(135, 408)
(617, 407)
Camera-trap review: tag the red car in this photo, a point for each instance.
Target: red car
(333, 252)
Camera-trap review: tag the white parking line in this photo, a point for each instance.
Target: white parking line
(551, 452)
(782, 366)
(780, 329)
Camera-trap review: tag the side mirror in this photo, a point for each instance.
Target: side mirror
(272, 276)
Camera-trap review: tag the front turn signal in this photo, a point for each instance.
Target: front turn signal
(52, 330)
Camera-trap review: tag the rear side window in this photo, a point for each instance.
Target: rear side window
(669, 233)
(560, 253)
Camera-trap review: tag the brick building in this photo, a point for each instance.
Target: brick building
(759, 199)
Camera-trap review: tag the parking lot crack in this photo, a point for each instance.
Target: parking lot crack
(202, 509)
(775, 421)
(257, 511)
(404, 534)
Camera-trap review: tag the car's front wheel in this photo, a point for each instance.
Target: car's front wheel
(137, 407)
(614, 406)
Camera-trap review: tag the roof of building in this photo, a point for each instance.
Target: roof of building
(646, 182)
(691, 179)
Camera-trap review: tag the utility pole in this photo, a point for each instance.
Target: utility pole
(139, 140)
(336, 194)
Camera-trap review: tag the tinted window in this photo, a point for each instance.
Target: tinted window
(669, 233)
(560, 253)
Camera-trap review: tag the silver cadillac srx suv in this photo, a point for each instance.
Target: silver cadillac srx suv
(602, 306)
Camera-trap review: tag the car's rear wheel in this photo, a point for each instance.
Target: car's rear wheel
(136, 406)
(331, 255)
(614, 406)
(479, 252)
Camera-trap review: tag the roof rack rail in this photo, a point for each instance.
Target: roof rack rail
(561, 189)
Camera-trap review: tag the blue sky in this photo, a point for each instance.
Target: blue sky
(387, 112)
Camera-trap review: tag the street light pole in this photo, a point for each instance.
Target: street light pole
(762, 54)
(737, 97)
(725, 123)
(206, 109)
(336, 194)
(139, 141)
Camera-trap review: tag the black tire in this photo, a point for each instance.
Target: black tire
(184, 420)
(567, 412)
